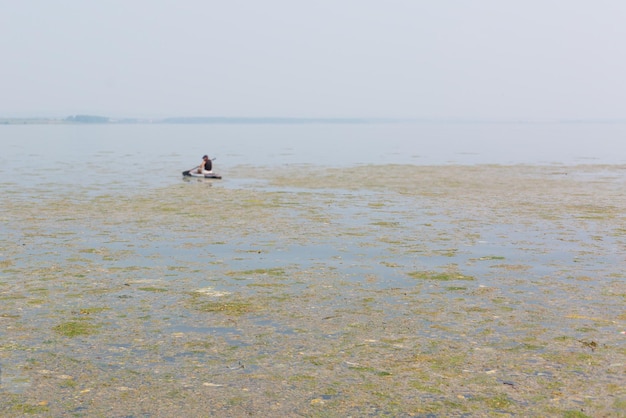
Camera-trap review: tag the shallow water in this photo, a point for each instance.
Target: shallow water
(114, 157)
(300, 290)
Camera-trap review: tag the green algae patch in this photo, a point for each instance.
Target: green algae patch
(491, 257)
(575, 414)
(76, 328)
(29, 409)
(229, 308)
(499, 402)
(269, 272)
(443, 277)
(223, 305)
(370, 370)
(386, 224)
(267, 285)
(152, 289)
(92, 310)
(456, 288)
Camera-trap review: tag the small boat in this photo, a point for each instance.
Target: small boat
(204, 174)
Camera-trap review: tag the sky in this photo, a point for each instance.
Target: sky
(423, 59)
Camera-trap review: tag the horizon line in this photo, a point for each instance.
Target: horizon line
(98, 119)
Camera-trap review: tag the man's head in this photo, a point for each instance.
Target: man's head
(205, 157)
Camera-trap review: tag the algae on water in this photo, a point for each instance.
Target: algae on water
(426, 291)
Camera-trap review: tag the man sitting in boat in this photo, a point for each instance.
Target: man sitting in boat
(206, 167)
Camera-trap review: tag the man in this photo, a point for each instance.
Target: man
(206, 165)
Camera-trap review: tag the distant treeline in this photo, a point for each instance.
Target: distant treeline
(200, 120)
(281, 121)
(95, 119)
(217, 120)
(87, 119)
(223, 120)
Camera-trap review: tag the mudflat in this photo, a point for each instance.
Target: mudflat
(367, 291)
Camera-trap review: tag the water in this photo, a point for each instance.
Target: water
(152, 155)
(550, 280)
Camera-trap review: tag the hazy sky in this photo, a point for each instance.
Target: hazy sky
(532, 59)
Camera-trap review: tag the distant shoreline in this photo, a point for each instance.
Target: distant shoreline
(89, 119)
(217, 120)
